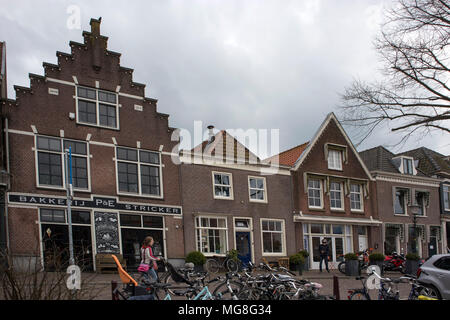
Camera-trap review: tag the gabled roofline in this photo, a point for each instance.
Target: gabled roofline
(331, 116)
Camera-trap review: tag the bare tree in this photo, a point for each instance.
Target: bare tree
(414, 96)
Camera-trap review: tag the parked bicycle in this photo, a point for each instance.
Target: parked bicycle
(386, 290)
(230, 263)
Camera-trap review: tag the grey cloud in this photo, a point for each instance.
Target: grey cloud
(234, 64)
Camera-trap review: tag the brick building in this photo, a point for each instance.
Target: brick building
(333, 195)
(124, 181)
(231, 200)
(400, 186)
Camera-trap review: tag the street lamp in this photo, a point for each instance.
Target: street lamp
(414, 209)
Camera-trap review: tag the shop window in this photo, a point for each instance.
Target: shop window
(130, 220)
(338, 229)
(317, 228)
(211, 235)
(81, 217)
(53, 215)
(153, 222)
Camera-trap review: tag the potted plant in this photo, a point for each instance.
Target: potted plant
(412, 263)
(297, 261)
(305, 255)
(377, 259)
(197, 258)
(351, 264)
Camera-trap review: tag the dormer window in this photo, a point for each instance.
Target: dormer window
(97, 108)
(408, 166)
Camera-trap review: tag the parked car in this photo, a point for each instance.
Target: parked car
(435, 274)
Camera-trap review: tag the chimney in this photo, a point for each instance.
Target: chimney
(95, 26)
(211, 134)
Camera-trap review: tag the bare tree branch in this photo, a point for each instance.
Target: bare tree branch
(415, 96)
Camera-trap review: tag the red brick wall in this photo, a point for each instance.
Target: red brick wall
(197, 191)
(50, 114)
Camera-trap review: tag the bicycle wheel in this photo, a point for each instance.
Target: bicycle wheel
(341, 267)
(212, 266)
(251, 294)
(358, 295)
(223, 293)
(232, 265)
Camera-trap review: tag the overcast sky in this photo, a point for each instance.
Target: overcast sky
(234, 64)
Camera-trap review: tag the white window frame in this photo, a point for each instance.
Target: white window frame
(335, 162)
(444, 195)
(97, 108)
(231, 197)
(424, 207)
(198, 227)
(283, 238)
(321, 193)
(139, 163)
(342, 196)
(61, 153)
(405, 201)
(402, 166)
(264, 189)
(361, 197)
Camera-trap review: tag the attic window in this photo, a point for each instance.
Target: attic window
(408, 166)
(335, 155)
(97, 108)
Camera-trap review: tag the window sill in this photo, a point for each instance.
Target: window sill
(267, 254)
(258, 201)
(400, 215)
(218, 198)
(62, 189)
(357, 211)
(337, 210)
(97, 126)
(335, 169)
(316, 209)
(139, 196)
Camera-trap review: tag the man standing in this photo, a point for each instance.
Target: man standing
(324, 252)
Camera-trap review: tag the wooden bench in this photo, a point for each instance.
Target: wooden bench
(105, 263)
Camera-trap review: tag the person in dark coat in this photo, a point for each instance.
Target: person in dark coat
(324, 251)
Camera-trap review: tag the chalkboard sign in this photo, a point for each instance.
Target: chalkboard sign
(107, 232)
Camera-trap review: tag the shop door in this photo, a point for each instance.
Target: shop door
(243, 247)
(132, 240)
(316, 241)
(56, 254)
